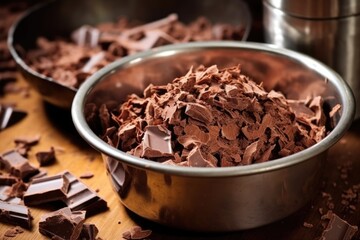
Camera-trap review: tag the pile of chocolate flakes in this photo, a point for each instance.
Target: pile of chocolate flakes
(214, 118)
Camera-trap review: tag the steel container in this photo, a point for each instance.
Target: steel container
(327, 30)
(215, 199)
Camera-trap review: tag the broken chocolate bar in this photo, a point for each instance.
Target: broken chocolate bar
(62, 224)
(17, 165)
(338, 228)
(80, 197)
(15, 214)
(46, 189)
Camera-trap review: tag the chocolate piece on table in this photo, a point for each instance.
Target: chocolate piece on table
(46, 158)
(86, 175)
(338, 228)
(89, 232)
(17, 165)
(136, 233)
(9, 116)
(46, 189)
(15, 214)
(81, 197)
(62, 224)
(18, 189)
(7, 179)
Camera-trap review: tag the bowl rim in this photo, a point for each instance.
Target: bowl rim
(345, 121)
(20, 60)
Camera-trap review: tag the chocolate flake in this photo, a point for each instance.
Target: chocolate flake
(214, 117)
(338, 228)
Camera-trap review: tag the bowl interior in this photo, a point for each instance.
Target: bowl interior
(296, 75)
(62, 17)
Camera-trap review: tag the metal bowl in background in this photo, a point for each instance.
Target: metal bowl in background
(60, 17)
(327, 30)
(216, 199)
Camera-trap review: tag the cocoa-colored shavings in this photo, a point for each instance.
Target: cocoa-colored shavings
(70, 61)
(213, 117)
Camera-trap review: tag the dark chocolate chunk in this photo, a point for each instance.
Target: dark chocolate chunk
(15, 214)
(89, 232)
(46, 158)
(62, 224)
(8, 180)
(47, 189)
(10, 116)
(338, 228)
(80, 197)
(17, 165)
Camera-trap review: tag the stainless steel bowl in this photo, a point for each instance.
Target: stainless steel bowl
(64, 16)
(220, 199)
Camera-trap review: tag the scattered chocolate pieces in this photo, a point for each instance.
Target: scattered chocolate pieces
(71, 61)
(136, 233)
(10, 116)
(15, 214)
(338, 228)
(62, 224)
(17, 165)
(86, 175)
(47, 189)
(213, 118)
(46, 158)
(80, 197)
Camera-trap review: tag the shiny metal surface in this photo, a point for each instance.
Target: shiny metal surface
(220, 199)
(318, 8)
(64, 16)
(334, 41)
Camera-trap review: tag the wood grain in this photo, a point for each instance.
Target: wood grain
(73, 154)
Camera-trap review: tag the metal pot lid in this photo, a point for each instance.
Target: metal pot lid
(318, 8)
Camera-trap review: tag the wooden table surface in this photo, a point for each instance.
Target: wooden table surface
(55, 128)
